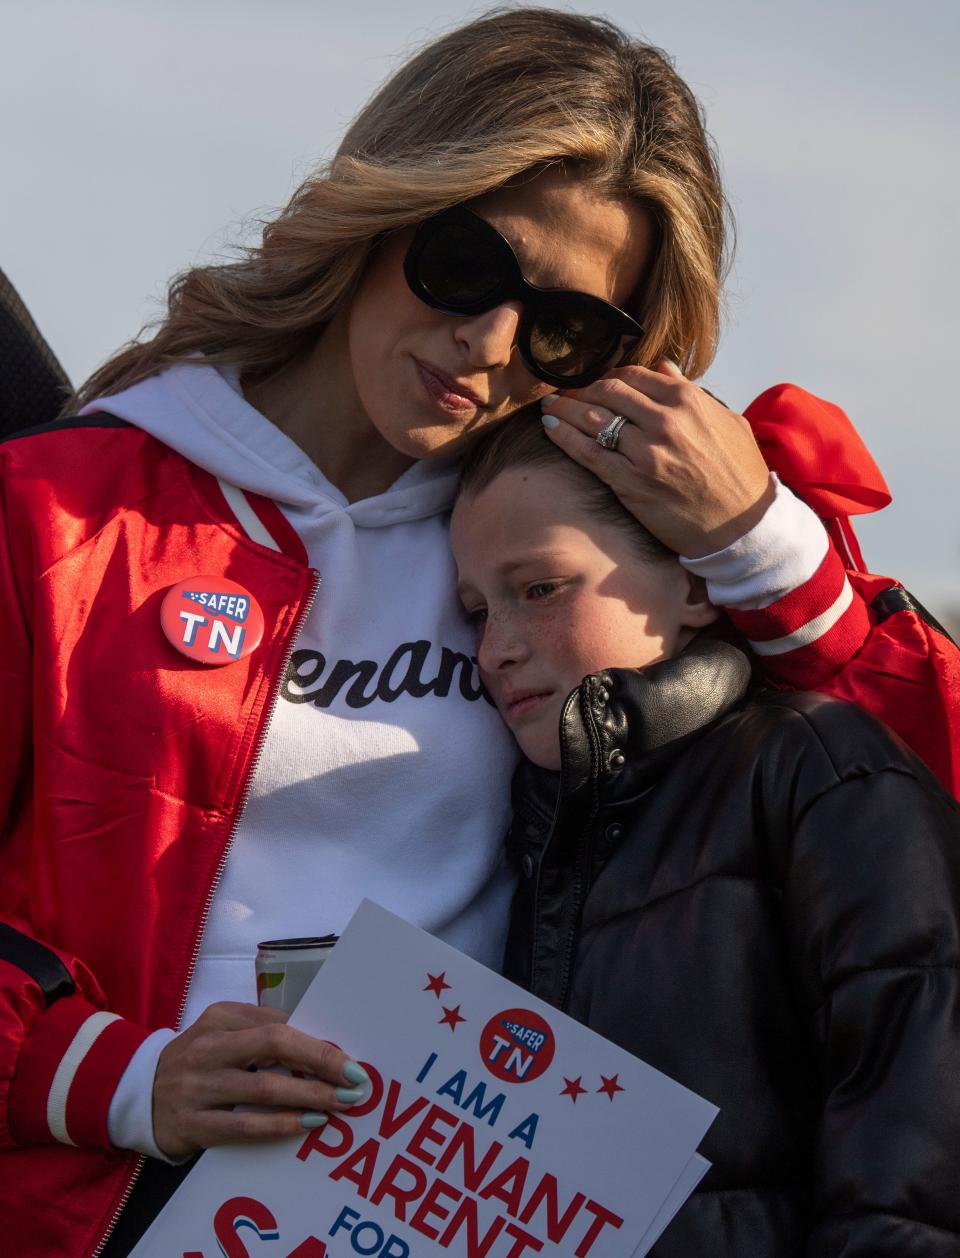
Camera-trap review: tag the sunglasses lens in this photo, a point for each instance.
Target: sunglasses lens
(459, 267)
(569, 338)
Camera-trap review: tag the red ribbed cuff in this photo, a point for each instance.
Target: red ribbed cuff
(67, 1073)
(807, 636)
(799, 607)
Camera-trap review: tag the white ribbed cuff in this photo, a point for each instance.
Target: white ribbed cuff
(130, 1119)
(779, 554)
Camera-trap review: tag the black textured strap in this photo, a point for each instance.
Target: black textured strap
(96, 419)
(33, 385)
(44, 967)
(897, 599)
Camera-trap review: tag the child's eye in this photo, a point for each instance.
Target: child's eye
(541, 589)
(476, 615)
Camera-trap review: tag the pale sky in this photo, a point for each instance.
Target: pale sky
(139, 138)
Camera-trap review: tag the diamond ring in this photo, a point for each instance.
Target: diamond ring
(609, 435)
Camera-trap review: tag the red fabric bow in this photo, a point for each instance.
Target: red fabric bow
(817, 452)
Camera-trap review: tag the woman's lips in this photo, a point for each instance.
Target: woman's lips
(446, 391)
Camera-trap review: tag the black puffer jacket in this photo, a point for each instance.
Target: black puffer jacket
(762, 899)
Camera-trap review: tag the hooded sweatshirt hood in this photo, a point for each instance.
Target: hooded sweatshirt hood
(200, 412)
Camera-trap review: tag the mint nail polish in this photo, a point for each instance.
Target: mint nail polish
(353, 1072)
(312, 1121)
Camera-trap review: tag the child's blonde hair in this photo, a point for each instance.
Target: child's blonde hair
(521, 442)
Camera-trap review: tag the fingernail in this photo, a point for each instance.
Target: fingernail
(312, 1121)
(353, 1072)
(548, 399)
(549, 421)
(349, 1096)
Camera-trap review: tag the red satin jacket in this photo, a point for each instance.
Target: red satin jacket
(124, 767)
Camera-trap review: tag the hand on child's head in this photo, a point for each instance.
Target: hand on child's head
(558, 592)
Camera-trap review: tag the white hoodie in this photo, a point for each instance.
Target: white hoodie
(392, 783)
(402, 798)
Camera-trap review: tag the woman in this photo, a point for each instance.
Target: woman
(241, 690)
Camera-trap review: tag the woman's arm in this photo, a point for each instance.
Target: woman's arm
(63, 1049)
(55, 1029)
(692, 472)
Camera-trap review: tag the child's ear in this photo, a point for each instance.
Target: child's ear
(697, 609)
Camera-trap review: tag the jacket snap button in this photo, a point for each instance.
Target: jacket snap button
(527, 865)
(615, 832)
(617, 760)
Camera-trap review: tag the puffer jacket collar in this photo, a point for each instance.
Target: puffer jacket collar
(619, 730)
(621, 727)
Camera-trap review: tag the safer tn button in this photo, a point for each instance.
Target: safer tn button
(211, 620)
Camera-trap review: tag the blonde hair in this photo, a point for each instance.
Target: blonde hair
(511, 93)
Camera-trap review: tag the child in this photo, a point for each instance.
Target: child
(757, 893)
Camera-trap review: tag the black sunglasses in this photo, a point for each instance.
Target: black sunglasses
(461, 265)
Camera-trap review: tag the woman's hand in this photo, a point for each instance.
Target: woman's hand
(686, 466)
(205, 1071)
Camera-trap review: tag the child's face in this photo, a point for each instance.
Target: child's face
(558, 595)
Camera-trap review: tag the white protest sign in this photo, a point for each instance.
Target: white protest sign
(692, 1174)
(495, 1127)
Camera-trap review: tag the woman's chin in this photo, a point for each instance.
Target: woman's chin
(439, 440)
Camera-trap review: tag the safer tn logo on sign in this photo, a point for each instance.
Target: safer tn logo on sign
(517, 1045)
(211, 620)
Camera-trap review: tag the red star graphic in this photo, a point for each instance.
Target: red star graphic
(437, 983)
(451, 1017)
(610, 1086)
(573, 1088)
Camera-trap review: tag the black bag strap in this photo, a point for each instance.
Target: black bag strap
(34, 958)
(897, 599)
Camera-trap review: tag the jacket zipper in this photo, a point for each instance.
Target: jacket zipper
(127, 1193)
(579, 881)
(581, 870)
(245, 789)
(536, 892)
(244, 796)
